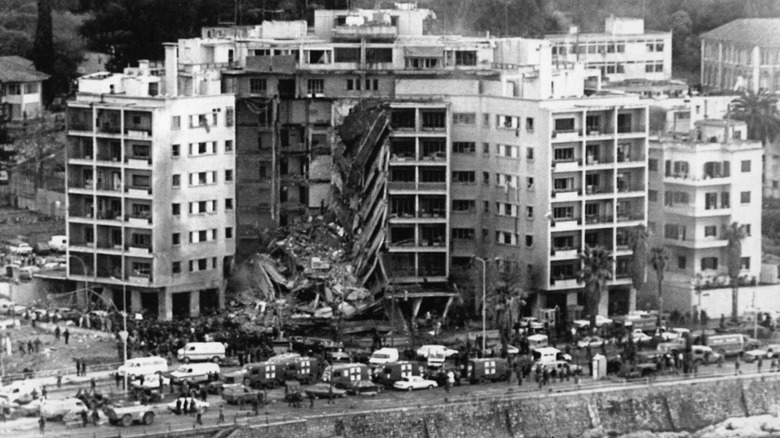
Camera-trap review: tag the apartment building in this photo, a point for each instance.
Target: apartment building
(494, 151)
(700, 184)
(743, 54)
(624, 53)
(151, 191)
(21, 88)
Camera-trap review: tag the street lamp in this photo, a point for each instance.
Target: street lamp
(484, 294)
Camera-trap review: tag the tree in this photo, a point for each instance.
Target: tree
(508, 300)
(43, 48)
(734, 234)
(596, 271)
(659, 259)
(759, 111)
(637, 241)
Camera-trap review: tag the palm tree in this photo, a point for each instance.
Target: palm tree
(760, 112)
(637, 241)
(734, 234)
(508, 301)
(596, 271)
(659, 259)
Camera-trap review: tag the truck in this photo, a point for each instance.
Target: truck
(263, 375)
(390, 373)
(127, 415)
(343, 373)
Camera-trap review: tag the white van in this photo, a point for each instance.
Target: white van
(383, 356)
(538, 341)
(58, 243)
(200, 351)
(143, 366)
(549, 355)
(20, 391)
(194, 373)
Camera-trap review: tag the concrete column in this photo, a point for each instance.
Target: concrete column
(108, 295)
(165, 306)
(632, 299)
(755, 58)
(194, 303)
(135, 301)
(221, 295)
(719, 82)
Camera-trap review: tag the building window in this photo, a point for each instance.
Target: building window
(529, 183)
(176, 209)
(652, 195)
(486, 206)
(176, 238)
(486, 148)
(529, 241)
(175, 150)
(486, 120)
(463, 205)
(228, 175)
(353, 84)
(463, 177)
(465, 58)
(228, 204)
(744, 197)
(745, 166)
(681, 262)
(372, 84)
(176, 267)
(529, 124)
(746, 229)
(203, 178)
(486, 178)
(434, 119)
(529, 153)
(228, 146)
(464, 147)
(141, 268)
(709, 263)
(745, 263)
(652, 165)
(463, 234)
(564, 125)
(464, 119)
(176, 123)
(315, 86)
(229, 233)
(563, 213)
(257, 86)
(230, 116)
(176, 180)
(710, 231)
(529, 212)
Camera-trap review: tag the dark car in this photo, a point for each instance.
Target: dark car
(364, 387)
(322, 390)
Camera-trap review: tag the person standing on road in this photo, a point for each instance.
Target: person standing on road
(117, 379)
(59, 379)
(93, 383)
(450, 380)
(330, 394)
(66, 335)
(736, 366)
(95, 417)
(84, 419)
(760, 363)
(519, 372)
(773, 365)
(199, 416)
(221, 418)
(21, 348)
(42, 424)
(311, 399)
(57, 333)
(30, 347)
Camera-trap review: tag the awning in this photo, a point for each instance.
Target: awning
(424, 52)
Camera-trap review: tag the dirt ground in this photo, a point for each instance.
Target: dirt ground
(53, 355)
(33, 226)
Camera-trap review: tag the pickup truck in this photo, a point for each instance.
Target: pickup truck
(20, 248)
(238, 394)
(127, 415)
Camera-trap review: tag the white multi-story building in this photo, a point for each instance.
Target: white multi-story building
(151, 191)
(699, 185)
(495, 149)
(625, 51)
(743, 54)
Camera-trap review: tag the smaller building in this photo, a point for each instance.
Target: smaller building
(742, 54)
(624, 51)
(21, 88)
(700, 184)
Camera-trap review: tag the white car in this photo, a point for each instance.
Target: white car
(57, 410)
(675, 333)
(592, 341)
(531, 322)
(409, 383)
(437, 350)
(22, 248)
(198, 404)
(638, 335)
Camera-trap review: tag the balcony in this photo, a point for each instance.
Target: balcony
(432, 186)
(402, 185)
(79, 128)
(140, 279)
(371, 31)
(399, 157)
(108, 215)
(564, 282)
(703, 243)
(599, 220)
(138, 250)
(696, 181)
(575, 135)
(630, 217)
(566, 195)
(630, 188)
(564, 253)
(138, 191)
(598, 190)
(139, 219)
(566, 165)
(598, 131)
(139, 162)
(565, 224)
(600, 160)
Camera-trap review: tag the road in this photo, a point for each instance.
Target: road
(278, 410)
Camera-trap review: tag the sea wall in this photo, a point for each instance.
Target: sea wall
(678, 406)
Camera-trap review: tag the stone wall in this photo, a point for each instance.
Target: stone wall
(669, 406)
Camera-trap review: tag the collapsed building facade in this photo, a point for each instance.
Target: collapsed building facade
(392, 157)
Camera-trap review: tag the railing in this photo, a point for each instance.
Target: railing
(567, 161)
(188, 68)
(556, 134)
(599, 219)
(630, 217)
(629, 188)
(436, 156)
(402, 157)
(109, 129)
(562, 278)
(79, 127)
(432, 186)
(562, 191)
(555, 250)
(557, 220)
(638, 129)
(107, 215)
(594, 131)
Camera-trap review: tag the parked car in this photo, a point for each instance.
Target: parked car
(704, 355)
(637, 335)
(674, 333)
(529, 322)
(322, 390)
(591, 341)
(150, 381)
(19, 248)
(585, 323)
(427, 350)
(364, 387)
(198, 404)
(239, 394)
(410, 383)
(127, 415)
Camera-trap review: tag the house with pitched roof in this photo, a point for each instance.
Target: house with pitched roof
(20, 88)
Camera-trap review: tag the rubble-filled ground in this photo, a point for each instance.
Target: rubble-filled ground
(753, 427)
